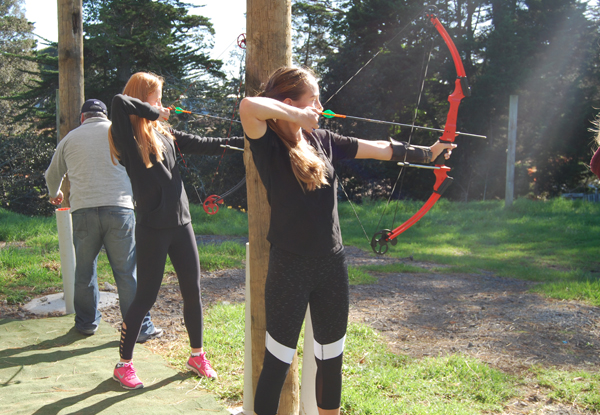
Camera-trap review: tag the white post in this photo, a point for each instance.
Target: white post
(67, 256)
(510, 152)
(308, 397)
(248, 406)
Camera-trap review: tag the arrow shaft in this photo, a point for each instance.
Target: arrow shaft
(179, 111)
(401, 125)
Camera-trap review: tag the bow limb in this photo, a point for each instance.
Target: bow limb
(380, 239)
(461, 89)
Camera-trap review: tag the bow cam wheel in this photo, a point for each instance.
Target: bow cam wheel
(379, 242)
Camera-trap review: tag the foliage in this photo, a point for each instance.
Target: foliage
(122, 37)
(15, 37)
(315, 23)
(22, 182)
(23, 157)
(214, 105)
(544, 52)
(36, 100)
(116, 39)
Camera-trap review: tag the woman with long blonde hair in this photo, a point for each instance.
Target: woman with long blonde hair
(295, 160)
(141, 142)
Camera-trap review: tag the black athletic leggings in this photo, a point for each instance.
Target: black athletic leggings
(293, 282)
(152, 247)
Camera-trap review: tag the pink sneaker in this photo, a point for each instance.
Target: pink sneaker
(126, 376)
(201, 365)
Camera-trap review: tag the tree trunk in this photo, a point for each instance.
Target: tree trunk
(269, 46)
(70, 71)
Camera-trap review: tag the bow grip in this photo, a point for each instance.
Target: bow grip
(441, 160)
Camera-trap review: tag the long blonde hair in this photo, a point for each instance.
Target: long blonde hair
(288, 82)
(140, 86)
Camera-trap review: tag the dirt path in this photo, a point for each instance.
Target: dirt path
(492, 319)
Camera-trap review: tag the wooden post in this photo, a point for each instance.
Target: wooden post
(511, 149)
(269, 46)
(70, 71)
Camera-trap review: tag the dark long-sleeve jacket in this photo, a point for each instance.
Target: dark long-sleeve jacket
(160, 198)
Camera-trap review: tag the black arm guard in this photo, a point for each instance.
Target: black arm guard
(409, 153)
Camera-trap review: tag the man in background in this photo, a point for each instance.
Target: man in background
(102, 212)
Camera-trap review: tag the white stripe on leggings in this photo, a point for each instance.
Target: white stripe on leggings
(281, 352)
(329, 351)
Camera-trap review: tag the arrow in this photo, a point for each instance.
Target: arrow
(182, 111)
(231, 147)
(331, 114)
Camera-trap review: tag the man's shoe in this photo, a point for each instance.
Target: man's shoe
(87, 332)
(201, 365)
(142, 338)
(125, 374)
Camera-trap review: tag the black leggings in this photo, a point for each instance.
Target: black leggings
(293, 282)
(152, 247)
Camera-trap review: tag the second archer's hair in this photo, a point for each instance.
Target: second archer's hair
(289, 82)
(140, 86)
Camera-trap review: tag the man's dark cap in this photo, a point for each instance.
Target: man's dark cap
(93, 105)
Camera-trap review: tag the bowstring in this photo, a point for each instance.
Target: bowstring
(383, 47)
(401, 175)
(422, 87)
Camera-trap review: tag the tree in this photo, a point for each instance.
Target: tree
(15, 37)
(546, 53)
(315, 23)
(126, 36)
(23, 157)
(121, 37)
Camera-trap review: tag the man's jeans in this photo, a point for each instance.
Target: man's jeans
(113, 227)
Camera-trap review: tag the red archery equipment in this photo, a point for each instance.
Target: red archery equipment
(241, 41)
(379, 242)
(211, 204)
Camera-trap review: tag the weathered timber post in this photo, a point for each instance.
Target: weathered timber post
(70, 71)
(269, 46)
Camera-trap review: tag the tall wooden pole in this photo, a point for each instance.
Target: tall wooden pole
(511, 150)
(269, 46)
(70, 71)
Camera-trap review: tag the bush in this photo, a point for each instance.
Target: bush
(23, 187)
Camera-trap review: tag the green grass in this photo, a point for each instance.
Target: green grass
(377, 381)
(555, 242)
(30, 263)
(358, 276)
(224, 344)
(225, 222)
(579, 388)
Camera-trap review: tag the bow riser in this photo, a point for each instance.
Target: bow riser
(454, 100)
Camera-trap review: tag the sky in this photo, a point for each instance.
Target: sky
(228, 18)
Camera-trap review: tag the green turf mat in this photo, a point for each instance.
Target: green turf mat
(47, 367)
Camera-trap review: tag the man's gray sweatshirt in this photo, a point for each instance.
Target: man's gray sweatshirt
(95, 181)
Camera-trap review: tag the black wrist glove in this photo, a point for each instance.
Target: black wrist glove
(401, 151)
